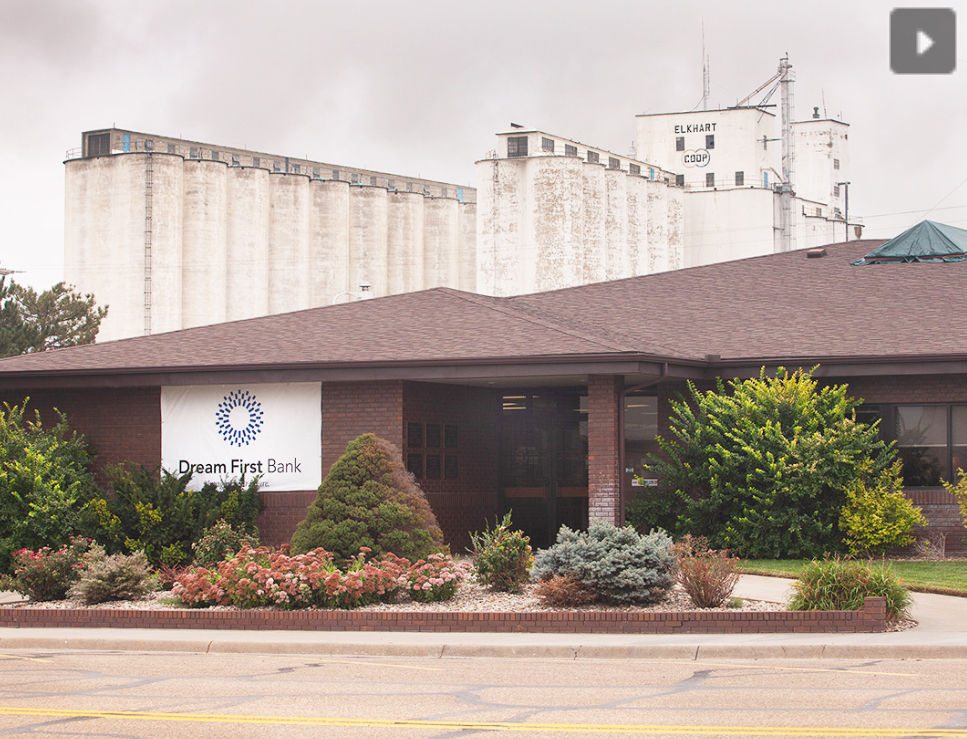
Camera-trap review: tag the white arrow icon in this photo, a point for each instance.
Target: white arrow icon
(924, 42)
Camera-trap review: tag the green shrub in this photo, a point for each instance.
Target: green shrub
(220, 540)
(837, 585)
(762, 469)
(46, 574)
(368, 499)
(45, 482)
(107, 577)
(617, 563)
(878, 516)
(160, 516)
(707, 575)
(501, 556)
(654, 508)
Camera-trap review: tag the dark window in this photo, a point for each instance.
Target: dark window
(836, 164)
(294, 168)
(450, 436)
(354, 178)
(315, 173)
(414, 464)
(593, 157)
(451, 467)
(409, 187)
(679, 144)
(709, 179)
(171, 148)
(215, 157)
(710, 141)
(443, 192)
(680, 180)
(98, 144)
(547, 144)
(335, 174)
(276, 167)
(372, 181)
(194, 152)
(414, 435)
(571, 151)
(931, 440)
(921, 439)
(835, 191)
(634, 169)
(255, 161)
(235, 161)
(614, 163)
(433, 439)
(433, 471)
(740, 178)
(149, 145)
(517, 146)
(391, 184)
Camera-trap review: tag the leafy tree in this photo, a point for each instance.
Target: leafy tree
(368, 499)
(45, 481)
(762, 470)
(55, 318)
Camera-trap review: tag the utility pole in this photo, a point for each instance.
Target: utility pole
(786, 79)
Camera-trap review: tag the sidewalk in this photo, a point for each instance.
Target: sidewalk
(941, 634)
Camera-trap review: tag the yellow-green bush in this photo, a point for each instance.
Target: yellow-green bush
(878, 516)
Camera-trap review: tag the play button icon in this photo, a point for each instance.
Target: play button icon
(923, 40)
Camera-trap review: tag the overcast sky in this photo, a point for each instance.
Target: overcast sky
(420, 88)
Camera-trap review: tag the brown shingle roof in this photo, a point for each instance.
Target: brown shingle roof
(781, 305)
(772, 307)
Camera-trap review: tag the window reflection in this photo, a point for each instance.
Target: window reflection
(921, 433)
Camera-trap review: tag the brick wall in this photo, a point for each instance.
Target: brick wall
(872, 618)
(604, 473)
(120, 424)
(350, 409)
(466, 503)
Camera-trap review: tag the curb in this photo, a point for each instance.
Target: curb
(494, 651)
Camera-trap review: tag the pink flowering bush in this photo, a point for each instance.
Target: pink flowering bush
(264, 577)
(707, 575)
(435, 578)
(46, 574)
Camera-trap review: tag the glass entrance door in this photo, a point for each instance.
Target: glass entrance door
(544, 462)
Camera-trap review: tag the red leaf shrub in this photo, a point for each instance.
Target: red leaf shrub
(263, 577)
(707, 575)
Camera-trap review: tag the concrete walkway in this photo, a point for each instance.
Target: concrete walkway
(941, 634)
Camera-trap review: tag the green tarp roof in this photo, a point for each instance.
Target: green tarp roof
(925, 242)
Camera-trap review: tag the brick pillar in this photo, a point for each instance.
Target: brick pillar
(604, 473)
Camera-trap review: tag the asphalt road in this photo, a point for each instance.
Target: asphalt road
(126, 695)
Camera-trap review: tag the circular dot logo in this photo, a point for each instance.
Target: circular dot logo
(239, 418)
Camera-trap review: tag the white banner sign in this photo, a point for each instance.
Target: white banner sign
(219, 432)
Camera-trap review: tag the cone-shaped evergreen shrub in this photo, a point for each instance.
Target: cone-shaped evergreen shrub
(368, 499)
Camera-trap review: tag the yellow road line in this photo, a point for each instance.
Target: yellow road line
(361, 663)
(682, 730)
(786, 669)
(28, 659)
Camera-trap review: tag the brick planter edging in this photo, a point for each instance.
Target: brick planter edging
(871, 618)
